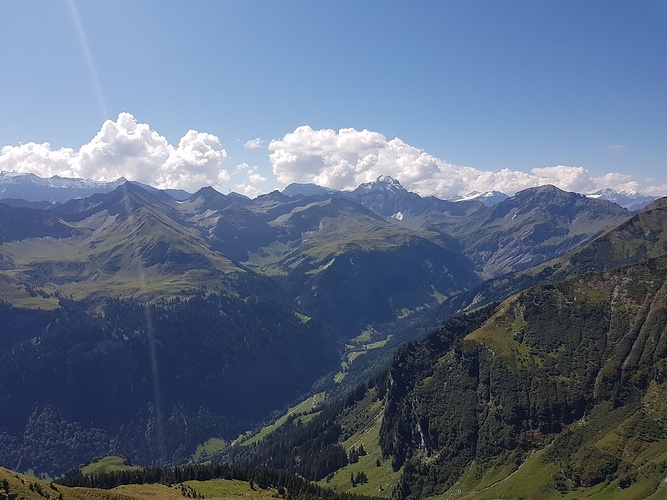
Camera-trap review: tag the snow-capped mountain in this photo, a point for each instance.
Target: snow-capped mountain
(489, 198)
(382, 183)
(31, 187)
(630, 200)
(56, 189)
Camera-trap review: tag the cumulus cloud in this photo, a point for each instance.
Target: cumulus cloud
(340, 159)
(38, 159)
(346, 158)
(252, 174)
(126, 148)
(195, 163)
(254, 144)
(247, 190)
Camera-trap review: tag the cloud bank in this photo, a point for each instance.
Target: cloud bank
(340, 159)
(346, 158)
(125, 148)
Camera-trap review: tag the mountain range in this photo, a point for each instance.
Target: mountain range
(140, 323)
(32, 188)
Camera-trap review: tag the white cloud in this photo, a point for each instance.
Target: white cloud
(125, 148)
(252, 173)
(241, 167)
(254, 144)
(349, 157)
(655, 190)
(195, 163)
(37, 159)
(247, 190)
(340, 159)
(616, 148)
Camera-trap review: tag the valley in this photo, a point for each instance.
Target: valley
(457, 350)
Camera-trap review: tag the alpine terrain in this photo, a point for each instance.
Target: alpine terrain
(370, 341)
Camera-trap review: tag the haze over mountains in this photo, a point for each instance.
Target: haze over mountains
(141, 322)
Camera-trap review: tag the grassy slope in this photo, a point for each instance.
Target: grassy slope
(534, 480)
(208, 448)
(107, 464)
(222, 489)
(299, 409)
(111, 256)
(382, 479)
(28, 488)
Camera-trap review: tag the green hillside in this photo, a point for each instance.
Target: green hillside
(574, 369)
(557, 392)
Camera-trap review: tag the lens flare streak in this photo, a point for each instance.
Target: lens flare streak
(85, 47)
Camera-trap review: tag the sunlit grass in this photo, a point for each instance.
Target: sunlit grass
(110, 463)
(208, 448)
(381, 477)
(303, 407)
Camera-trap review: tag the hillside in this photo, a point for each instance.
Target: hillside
(557, 391)
(551, 366)
(127, 243)
(531, 227)
(149, 382)
(560, 383)
(219, 483)
(640, 237)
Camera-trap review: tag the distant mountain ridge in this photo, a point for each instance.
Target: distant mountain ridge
(56, 189)
(630, 200)
(32, 188)
(303, 238)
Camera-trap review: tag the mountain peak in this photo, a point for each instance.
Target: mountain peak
(488, 198)
(545, 192)
(309, 189)
(632, 200)
(208, 192)
(384, 183)
(388, 181)
(206, 198)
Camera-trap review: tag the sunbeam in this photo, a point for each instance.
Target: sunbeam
(89, 58)
(150, 337)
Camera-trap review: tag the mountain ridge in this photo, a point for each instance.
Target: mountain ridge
(61, 189)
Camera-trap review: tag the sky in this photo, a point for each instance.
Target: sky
(448, 97)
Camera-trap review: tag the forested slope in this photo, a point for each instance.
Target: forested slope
(149, 381)
(552, 363)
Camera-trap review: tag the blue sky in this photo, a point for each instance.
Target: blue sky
(448, 96)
